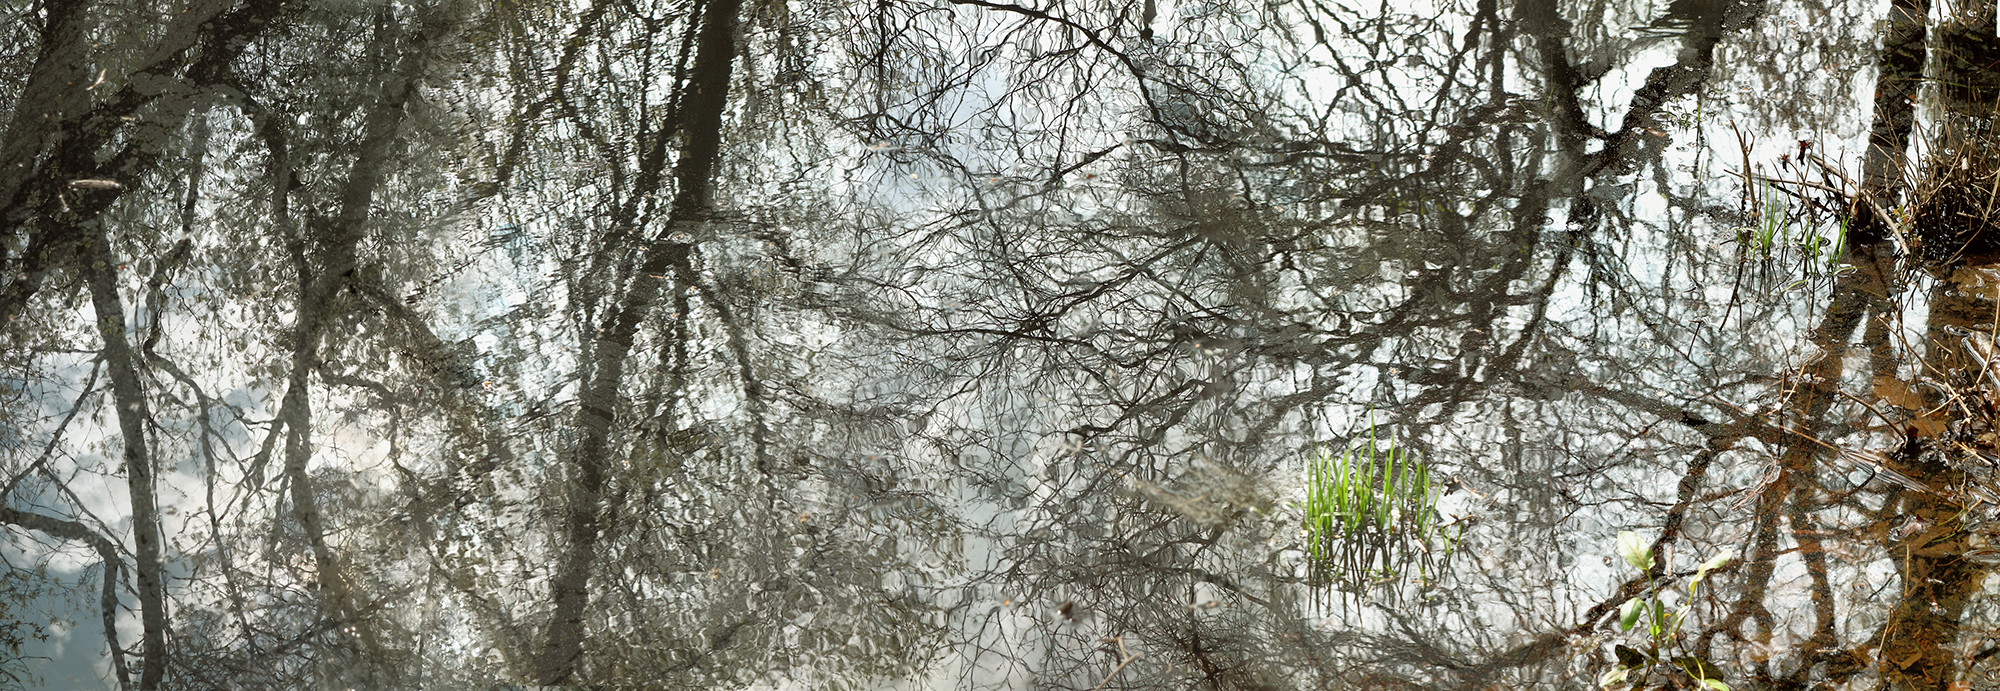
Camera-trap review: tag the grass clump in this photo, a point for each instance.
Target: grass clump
(1371, 518)
(1955, 204)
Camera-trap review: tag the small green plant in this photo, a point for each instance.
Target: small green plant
(1772, 229)
(1663, 627)
(1371, 517)
(1824, 251)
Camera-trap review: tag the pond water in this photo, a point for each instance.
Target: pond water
(980, 345)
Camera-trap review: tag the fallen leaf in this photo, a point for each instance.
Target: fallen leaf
(1898, 393)
(1926, 426)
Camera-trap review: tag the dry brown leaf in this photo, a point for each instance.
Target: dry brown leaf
(1925, 426)
(1897, 393)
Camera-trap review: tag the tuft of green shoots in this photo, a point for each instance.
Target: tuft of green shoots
(1371, 516)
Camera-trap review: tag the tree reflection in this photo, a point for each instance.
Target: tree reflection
(981, 344)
